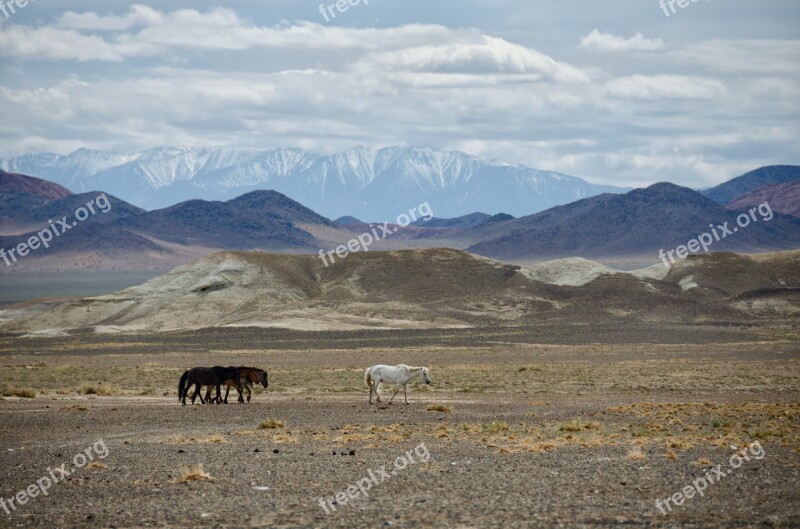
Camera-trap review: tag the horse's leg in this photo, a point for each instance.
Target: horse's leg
(208, 393)
(227, 391)
(197, 393)
(241, 394)
(374, 388)
(405, 392)
(396, 389)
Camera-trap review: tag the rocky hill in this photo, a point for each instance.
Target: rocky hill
(426, 289)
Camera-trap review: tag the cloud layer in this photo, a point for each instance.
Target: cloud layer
(626, 110)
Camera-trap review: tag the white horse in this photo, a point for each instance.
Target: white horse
(397, 375)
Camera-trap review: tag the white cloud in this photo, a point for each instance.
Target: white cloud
(599, 41)
(144, 31)
(775, 56)
(50, 43)
(212, 76)
(138, 15)
(654, 87)
(486, 55)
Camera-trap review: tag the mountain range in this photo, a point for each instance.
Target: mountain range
(374, 185)
(607, 227)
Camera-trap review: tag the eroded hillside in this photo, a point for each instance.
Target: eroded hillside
(436, 288)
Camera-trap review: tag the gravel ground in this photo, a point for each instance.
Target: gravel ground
(276, 477)
(508, 435)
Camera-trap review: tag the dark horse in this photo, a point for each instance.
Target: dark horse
(207, 376)
(249, 376)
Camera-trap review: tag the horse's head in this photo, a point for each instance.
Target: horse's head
(263, 378)
(425, 376)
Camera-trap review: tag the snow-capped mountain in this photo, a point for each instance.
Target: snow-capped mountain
(371, 185)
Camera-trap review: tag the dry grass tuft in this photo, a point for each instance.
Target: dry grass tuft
(24, 393)
(592, 442)
(671, 455)
(96, 465)
(577, 425)
(636, 455)
(103, 390)
(542, 446)
(271, 424)
(284, 438)
(194, 474)
(495, 427)
(471, 428)
(678, 444)
(439, 407)
(443, 431)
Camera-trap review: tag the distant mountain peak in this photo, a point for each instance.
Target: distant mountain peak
(752, 180)
(367, 183)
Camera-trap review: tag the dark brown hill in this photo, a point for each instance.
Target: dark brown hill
(784, 198)
(17, 183)
(638, 223)
(259, 220)
(749, 182)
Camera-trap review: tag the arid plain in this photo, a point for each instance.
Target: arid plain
(522, 430)
(563, 394)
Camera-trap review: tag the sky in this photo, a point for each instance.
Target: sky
(623, 92)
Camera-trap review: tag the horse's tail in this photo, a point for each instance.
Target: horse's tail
(368, 377)
(182, 385)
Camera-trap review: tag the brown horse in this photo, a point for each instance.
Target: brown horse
(207, 376)
(249, 376)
